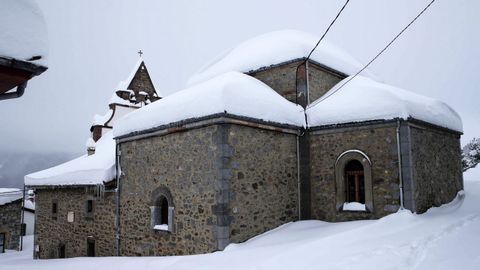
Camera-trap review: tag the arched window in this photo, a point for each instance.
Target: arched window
(355, 182)
(353, 178)
(162, 210)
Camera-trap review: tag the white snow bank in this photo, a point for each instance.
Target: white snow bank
(23, 32)
(232, 92)
(472, 174)
(354, 206)
(8, 195)
(364, 99)
(443, 238)
(85, 170)
(275, 48)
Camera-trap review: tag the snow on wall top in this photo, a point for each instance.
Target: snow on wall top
(100, 120)
(23, 32)
(364, 99)
(85, 170)
(233, 92)
(275, 48)
(8, 195)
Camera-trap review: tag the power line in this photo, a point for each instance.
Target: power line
(316, 45)
(384, 49)
(328, 29)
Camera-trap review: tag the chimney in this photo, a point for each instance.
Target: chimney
(90, 146)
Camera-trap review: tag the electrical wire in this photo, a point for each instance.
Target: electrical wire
(383, 50)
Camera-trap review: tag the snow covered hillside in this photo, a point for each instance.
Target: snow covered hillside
(443, 238)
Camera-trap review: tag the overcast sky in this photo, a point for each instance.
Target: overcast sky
(93, 46)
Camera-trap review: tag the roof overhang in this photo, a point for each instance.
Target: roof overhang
(15, 73)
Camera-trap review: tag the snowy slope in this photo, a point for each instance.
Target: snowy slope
(23, 32)
(85, 170)
(364, 99)
(8, 195)
(277, 47)
(232, 92)
(443, 238)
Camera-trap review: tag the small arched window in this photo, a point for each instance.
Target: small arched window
(353, 178)
(162, 210)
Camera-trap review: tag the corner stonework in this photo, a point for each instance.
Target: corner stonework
(222, 187)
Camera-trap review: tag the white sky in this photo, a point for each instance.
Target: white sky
(93, 46)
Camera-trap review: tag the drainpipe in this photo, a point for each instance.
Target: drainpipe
(400, 176)
(18, 93)
(23, 219)
(298, 176)
(117, 210)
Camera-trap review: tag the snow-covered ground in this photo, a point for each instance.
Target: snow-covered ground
(443, 238)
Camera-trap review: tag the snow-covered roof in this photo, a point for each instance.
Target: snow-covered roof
(232, 92)
(275, 48)
(29, 205)
(85, 170)
(363, 99)
(8, 195)
(100, 120)
(115, 99)
(23, 32)
(123, 85)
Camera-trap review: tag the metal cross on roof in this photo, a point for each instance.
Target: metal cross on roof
(140, 53)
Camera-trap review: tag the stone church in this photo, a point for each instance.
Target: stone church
(260, 137)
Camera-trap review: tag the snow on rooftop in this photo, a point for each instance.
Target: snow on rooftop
(123, 85)
(275, 48)
(8, 195)
(364, 99)
(100, 120)
(85, 170)
(29, 205)
(23, 32)
(233, 92)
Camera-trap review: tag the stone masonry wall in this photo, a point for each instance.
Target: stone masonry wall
(379, 144)
(186, 163)
(282, 79)
(263, 168)
(320, 81)
(10, 220)
(437, 169)
(141, 82)
(51, 233)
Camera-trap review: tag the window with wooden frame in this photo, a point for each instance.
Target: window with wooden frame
(355, 182)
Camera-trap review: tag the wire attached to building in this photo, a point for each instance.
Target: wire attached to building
(315, 47)
(383, 50)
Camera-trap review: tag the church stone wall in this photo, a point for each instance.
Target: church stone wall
(282, 78)
(10, 220)
(263, 185)
(227, 182)
(142, 82)
(52, 230)
(320, 81)
(437, 169)
(185, 163)
(379, 144)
